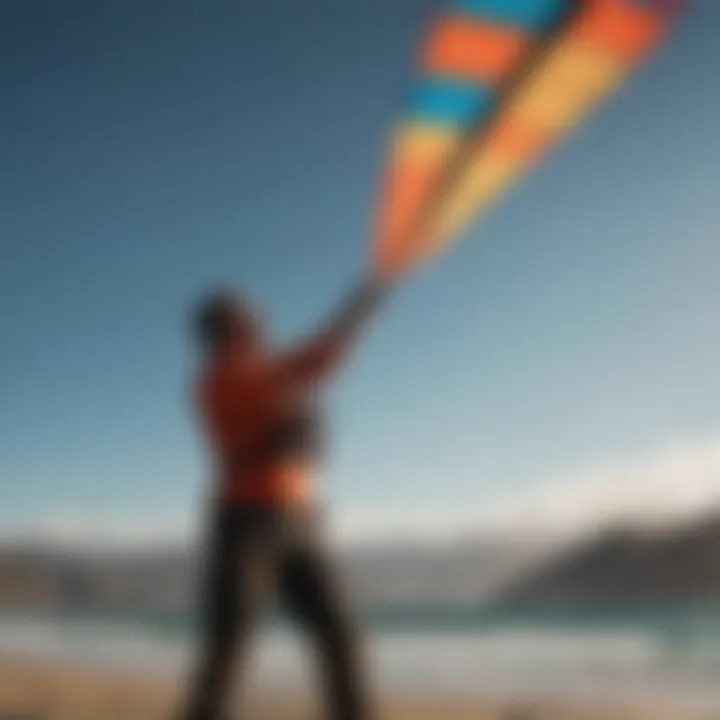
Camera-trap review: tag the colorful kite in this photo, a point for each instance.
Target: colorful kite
(500, 82)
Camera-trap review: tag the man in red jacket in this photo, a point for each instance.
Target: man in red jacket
(258, 409)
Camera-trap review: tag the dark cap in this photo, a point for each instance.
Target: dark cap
(222, 316)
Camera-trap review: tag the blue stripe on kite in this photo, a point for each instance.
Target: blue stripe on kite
(530, 15)
(448, 103)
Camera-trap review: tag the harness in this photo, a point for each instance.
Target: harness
(296, 435)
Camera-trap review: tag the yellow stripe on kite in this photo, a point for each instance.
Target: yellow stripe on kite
(424, 143)
(566, 86)
(487, 178)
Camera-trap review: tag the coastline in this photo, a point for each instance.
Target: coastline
(41, 690)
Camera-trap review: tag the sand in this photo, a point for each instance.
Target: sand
(37, 691)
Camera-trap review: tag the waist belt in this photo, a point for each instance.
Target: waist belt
(298, 435)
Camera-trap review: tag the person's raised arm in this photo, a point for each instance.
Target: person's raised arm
(318, 356)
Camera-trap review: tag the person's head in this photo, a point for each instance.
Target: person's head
(226, 320)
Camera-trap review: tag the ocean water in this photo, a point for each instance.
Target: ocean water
(672, 654)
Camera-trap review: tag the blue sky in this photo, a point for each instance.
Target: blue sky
(151, 150)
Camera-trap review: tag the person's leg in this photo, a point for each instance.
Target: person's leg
(236, 582)
(311, 589)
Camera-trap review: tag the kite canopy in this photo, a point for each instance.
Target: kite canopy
(499, 82)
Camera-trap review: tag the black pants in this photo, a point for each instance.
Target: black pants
(255, 552)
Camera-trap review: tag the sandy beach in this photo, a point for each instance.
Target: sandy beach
(31, 690)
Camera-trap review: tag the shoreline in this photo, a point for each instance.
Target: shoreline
(525, 667)
(44, 690)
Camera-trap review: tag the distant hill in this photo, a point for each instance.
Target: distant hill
(624, 565)
(41, 578)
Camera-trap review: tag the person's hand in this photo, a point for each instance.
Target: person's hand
(389, 263)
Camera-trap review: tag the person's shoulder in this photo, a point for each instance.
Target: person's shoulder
(229, 375)
(239, 370)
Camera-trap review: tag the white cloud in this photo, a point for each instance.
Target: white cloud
(669, 484)
(100, 532)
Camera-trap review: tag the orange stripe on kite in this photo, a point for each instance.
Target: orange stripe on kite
(468, 50)
(407, 188)
(620, 28)
(517, 140)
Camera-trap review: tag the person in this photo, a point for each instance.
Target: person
(259, 410)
